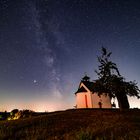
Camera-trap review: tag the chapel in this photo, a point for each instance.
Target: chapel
(86, 97)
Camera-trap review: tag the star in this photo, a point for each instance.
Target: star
(35, 81)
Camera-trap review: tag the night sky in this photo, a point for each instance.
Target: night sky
(46, 47)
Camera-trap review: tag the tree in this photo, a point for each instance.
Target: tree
(110, 81)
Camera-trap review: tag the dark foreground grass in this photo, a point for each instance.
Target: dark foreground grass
(84, 124)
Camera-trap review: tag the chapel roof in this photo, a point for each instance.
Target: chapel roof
(86, 81)
(88, 84)
(82, 89)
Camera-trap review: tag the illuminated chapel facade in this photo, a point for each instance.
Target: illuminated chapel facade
(86, 97)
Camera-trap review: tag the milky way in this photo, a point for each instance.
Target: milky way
(46, 46)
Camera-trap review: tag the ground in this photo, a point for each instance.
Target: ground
(75, 124)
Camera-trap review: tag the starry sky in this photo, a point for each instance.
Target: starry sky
(46, 47)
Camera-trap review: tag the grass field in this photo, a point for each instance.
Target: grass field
(76, 124)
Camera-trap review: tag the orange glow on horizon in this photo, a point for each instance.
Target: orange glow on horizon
(52, 105)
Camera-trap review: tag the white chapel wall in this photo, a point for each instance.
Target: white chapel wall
(104, 99)
(81, 101)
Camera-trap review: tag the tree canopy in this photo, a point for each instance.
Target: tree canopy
(110, 81)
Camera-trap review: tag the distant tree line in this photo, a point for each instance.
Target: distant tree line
(16, 114)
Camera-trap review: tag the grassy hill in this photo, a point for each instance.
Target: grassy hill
(76, 124)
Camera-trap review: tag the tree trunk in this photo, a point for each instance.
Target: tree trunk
(122, 101)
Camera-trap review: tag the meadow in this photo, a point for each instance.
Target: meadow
(75, 124)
